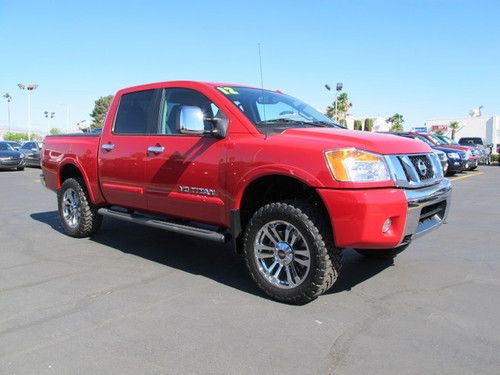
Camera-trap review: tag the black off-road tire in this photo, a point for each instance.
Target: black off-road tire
(325, 258)
(382, 253)
(20, 168)
(90, 221)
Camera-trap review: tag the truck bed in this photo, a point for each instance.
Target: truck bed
(69, 150)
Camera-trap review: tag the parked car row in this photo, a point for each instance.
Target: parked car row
(10, 158)
(458, 157)
(14, 155)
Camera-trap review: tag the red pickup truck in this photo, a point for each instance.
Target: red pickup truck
(262, 169)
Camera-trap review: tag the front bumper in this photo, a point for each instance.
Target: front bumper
(357, 216)
(456, 165)
(12, 163)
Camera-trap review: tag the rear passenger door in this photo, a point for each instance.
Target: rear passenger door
(186, 176)
(124, 149)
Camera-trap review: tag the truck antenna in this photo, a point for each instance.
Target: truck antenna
(262, 88)
(260, 68)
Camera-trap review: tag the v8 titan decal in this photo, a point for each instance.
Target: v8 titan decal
(197, 190)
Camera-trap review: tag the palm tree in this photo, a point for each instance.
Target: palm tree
(339, 108)
(396, 121)
(454, 126)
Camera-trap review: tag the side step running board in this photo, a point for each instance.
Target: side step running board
(165, 225)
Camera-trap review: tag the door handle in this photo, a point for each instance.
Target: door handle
(156, 149)
(108, 146)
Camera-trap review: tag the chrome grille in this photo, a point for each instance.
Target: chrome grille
(423, 166)
(415, 170)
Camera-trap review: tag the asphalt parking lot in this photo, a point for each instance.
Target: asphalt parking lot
(138, 300)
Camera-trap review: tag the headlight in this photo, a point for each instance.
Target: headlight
(352, 165)
(453, 155)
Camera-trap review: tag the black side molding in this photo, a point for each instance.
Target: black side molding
(235, 223)
(166, 225)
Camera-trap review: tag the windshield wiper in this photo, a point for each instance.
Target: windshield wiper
(282, 121)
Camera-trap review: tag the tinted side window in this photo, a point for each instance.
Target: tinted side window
(29, 146)
(136, 113)
(174, 99)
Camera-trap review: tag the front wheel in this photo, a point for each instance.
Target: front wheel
(382, 253)
(79, 217)
(289, 252)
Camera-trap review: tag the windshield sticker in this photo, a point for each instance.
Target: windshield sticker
(226, 90)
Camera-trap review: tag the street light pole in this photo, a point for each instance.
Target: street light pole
(67, 116)
(49, 116)
(338, 88)
(29, 88)
(8, 98)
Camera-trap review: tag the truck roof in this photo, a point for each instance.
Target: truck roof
(183, 83)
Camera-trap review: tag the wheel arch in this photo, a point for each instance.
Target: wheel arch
(276, 187)
(72, 169)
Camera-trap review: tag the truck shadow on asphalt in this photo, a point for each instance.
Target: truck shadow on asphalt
(217, 262)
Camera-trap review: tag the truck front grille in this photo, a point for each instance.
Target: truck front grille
(415, 170)
(423, 166)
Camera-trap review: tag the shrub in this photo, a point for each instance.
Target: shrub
(16, 137)
(358, 125)
(368, 124)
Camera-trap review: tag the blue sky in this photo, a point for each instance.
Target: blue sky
(424, 59)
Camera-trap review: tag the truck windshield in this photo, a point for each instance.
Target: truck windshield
(437, 140)
(470, 141)
(275, 111)
(448, 141)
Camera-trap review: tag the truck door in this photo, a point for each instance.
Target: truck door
(124, 149)
(185, 173)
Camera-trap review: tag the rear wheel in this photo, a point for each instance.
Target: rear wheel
(289, 252)
(79, 217)
(382, 253)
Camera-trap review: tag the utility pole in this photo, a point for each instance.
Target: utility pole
(49, 116)
(67, 116)
(29, 88)
(9, 99)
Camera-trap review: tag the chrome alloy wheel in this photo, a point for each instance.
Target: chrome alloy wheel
(282, 254)
(71, 208)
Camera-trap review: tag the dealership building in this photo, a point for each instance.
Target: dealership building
(487, 127)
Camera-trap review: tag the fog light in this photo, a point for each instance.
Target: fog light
(387, 225)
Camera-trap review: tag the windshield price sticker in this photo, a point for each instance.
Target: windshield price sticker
(226, 90)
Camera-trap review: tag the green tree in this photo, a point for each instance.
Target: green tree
(439, 131)
(99, 112)
(396, 121)
(55, 131)
(16, 137)
(358, 125)
(368, 124)
(340, 112)
(454, 126)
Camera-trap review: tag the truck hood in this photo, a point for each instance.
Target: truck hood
(8, 153)
(340, 138)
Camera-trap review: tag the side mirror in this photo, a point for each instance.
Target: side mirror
(191, 120)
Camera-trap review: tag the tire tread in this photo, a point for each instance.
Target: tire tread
(328, 257)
